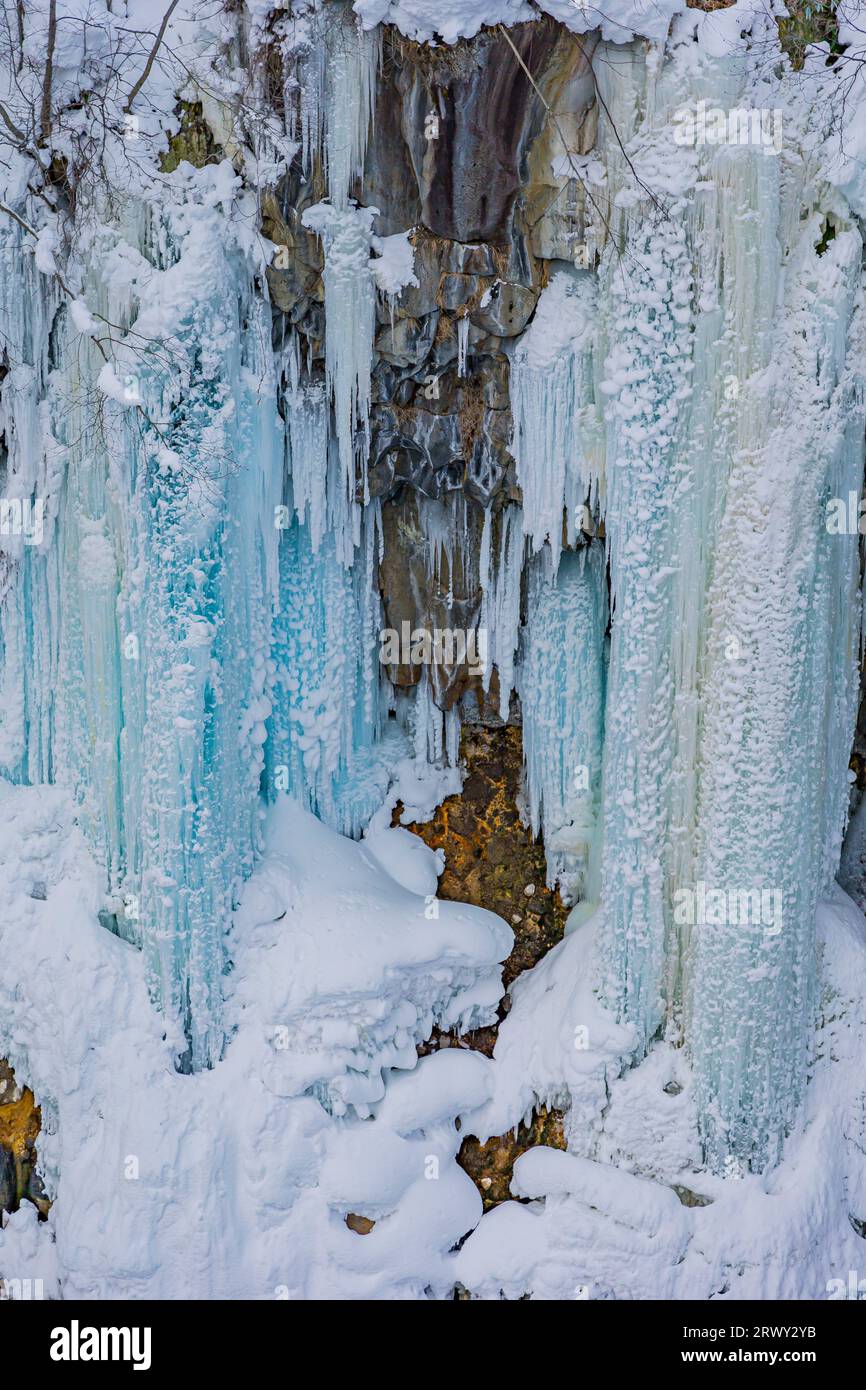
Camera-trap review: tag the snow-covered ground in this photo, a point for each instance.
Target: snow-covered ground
(236, 1182)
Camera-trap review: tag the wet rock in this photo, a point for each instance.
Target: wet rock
(467, 161)
(553, 208)
(491, 467)
(407, 343)
(457, 290)
(690, 1198)
(19, 1127)
(450, 599)
(415, 447)
(361, 1225)
(8, 1181)
(440, 436)
(493, 372)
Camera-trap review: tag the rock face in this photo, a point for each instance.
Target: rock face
(473, 150)
(491, 860)
(491, 1165)
(19, 1126)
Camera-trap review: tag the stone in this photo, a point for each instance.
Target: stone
(490, 856)
(491, 1165)
(301, 280)
(505, 309)
(361, 1225)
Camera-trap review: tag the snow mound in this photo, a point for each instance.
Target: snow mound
(357, 972)
(407, 859)
(231, 1183)
(593, 1230)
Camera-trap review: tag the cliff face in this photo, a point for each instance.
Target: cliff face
(460, 152)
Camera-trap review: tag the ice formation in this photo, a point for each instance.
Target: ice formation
(556, 426)
(708, 482)
(562, 683)
(202, 757)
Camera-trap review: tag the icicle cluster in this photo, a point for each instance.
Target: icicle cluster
(562, 683)
(556, 427)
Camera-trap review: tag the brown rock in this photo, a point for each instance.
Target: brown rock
(360, 1224)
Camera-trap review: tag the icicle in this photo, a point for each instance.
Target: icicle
(306, 411)
(354, 56)
(562, 685)
(462, 344)
(325, 692)
(436, 735)
(557, 435)
(350, 319)
(500, 604)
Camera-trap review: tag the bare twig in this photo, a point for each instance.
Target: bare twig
(150, 57)
(11, 126)
(16, 217)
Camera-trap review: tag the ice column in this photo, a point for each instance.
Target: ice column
(562, 685)
(557, 434)
(779, 704)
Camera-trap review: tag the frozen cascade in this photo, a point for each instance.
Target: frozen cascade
(318, 499)
(152, 607)
(791, 662)
(727, 627)
(325, 717)
(189, 669)
(354, 56)
(501, 570)
(29, 581)
(561, 683)
(557, 427)
(647, 379)
(350, 318)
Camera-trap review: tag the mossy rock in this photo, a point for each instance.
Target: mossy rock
(194, 141)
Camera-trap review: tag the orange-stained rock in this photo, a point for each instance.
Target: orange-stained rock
(491, 859)
(20, 1120)
(361, 1224)
(490, 1165)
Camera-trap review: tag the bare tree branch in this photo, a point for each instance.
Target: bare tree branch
(48, 80)
(11, 126)
(150, 57)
